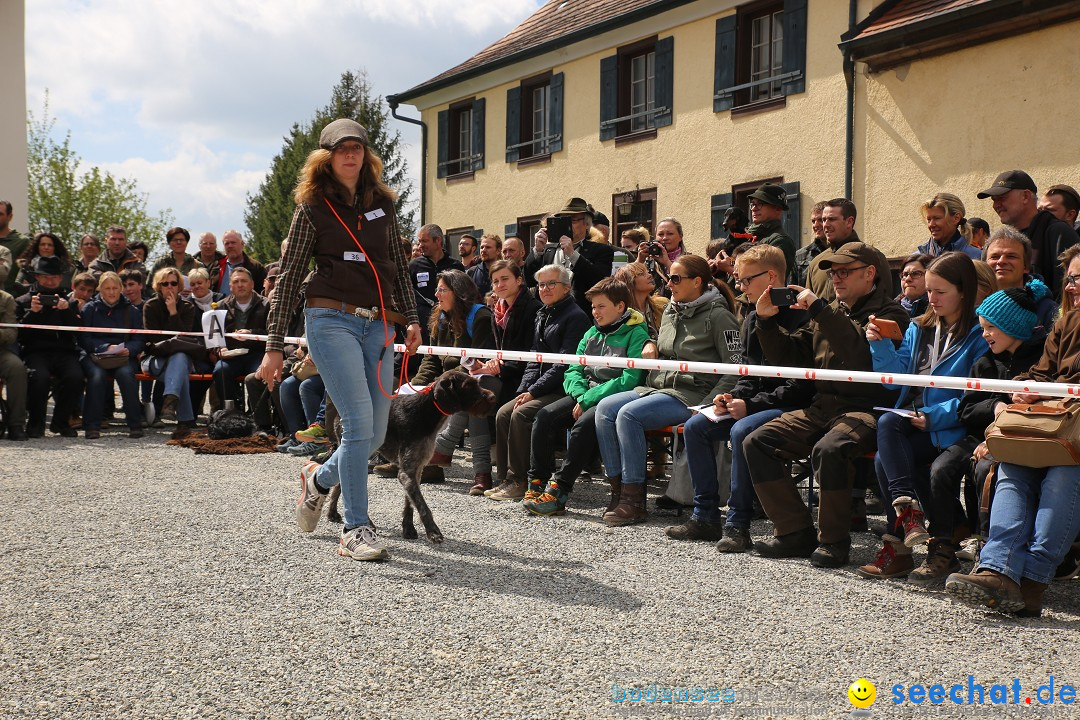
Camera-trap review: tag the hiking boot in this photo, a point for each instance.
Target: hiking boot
(168, 407)
(305, 449)
(501, 486)
(910, 515)
(1032, 593)
(509, 491)
(362, 543)
(535, 490)
(696, 529)
(873, 503)
(551, 502)
(432, 475)
(387, 469)
(616, 490)
(736, 540)
(183, 429)
(798, 544)
(440, 460)
(315, 433)
(986, 588)
(482, 483)
(892, 560)
(92, 434)
(939, 564)
(831, 555)
(284, 447)
(631, 507)
(75, 421)
(309, 506)
(134, 433)
(66, 431)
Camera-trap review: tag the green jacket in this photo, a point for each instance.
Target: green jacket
(771, 232)
(15, 243)
(700, 331)
(483, 337)
(589, 384)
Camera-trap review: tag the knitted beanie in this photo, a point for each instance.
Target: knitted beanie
(1012, 311)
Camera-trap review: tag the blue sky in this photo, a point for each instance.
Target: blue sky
(192, 99)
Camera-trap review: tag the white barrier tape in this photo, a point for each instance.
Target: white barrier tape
(874, 378)
(135, 331)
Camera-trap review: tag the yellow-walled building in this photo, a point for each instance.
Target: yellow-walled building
(657, 108)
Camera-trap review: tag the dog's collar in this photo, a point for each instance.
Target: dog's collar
(439, 408)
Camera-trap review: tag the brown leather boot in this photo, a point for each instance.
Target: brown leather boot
(1033, 596)
(631, 507)
(616, 489)
(986, 588)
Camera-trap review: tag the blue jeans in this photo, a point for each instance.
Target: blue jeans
(99, 383)
(301, 401)
(700, 433)
(173, 371)
(1034, 519)
(347, 350)
(621, 422)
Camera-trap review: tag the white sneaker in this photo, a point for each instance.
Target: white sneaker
(309, 506)
(362, 543)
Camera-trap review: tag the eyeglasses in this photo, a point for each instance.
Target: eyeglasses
(844, 272)
(743, 282)
(90, 244)
(355, 149)
(169, 283)
(443, 291)
(1072, 279)
(912, 274)
(549, 285)
(178, 238)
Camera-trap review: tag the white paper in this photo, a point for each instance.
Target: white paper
(410, 389)
(902, 412)
(709, 411)
(112, 350)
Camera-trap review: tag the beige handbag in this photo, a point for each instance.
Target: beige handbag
(304, 369)
(1038, 436)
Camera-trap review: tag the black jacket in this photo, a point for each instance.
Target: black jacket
(1049, 237)
(976, 410)
(559, 329)
(592, 266)
(763, 393)
(518, 335)
(46, 341)
(256, 321)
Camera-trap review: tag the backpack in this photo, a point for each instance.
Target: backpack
(470, 319)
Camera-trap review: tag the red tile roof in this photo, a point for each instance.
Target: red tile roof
(557, 23)
(907, 12)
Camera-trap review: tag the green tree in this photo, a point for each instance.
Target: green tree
(270, 210)
(70, 200)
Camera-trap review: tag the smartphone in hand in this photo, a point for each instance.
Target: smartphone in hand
(782, 297)
(888, 329)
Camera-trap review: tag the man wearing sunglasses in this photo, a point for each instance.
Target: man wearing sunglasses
(840, 425)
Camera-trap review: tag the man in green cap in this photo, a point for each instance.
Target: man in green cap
(767, 206)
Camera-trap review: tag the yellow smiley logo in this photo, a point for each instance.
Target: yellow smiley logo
(862, 693)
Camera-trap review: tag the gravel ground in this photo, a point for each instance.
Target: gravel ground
(143, 581)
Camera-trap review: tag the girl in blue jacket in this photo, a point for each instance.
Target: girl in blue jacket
(945, 341)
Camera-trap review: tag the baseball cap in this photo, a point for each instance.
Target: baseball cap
(1009, 180)
(851, 252)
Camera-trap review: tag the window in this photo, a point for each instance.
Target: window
(760, 55)
(740, 197)
(461, 138)
(534, 118)
(453, 236)
(631, 209)
(525, 229)
(636, 89)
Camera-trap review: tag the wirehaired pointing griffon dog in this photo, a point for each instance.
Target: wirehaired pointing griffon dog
(415, 421)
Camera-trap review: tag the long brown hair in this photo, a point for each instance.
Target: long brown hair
(316, 180)
(465, 296)
(698, 267)
(957, 269)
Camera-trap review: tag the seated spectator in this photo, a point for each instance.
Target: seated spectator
(619, 332)
(1034, 520)
(841, 423)
(980, 232)
(134, 286)
(988, 284)
(753, 402)
(949, 232)
(1008, 252)
(12, 371)
(90, 248)
(480, 272)
(245, 313)
(1063, 202)
(945, 341)
(513, 250)
(560, 325)
(589, 261)
(460, 320)
(664, 250)
(51, 356)
(44, 244)
(172, 359)
(698, 326)
(642, 285)
(110, 309)
(633, 238)
(273, 270)
(177, 239)
(117, 256)
(302, 403)
(201, 295)
(83, 288)
(1070, 291)
(912, 295)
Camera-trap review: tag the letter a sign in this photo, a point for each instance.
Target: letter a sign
(213, 327)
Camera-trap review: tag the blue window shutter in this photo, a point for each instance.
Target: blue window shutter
(720, 205)
(556, 110)
(609, 95)
(478, 133)
(665, 80)
(511, 229)
(724, 72)
(444, 143)
(513, 124)
(795, 45)
(477, 233)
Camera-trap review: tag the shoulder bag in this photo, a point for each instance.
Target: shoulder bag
(1039, 435)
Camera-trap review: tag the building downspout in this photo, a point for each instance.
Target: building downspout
(849, 78)
(392, 101)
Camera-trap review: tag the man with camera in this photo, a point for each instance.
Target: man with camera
(50, 356)
(565, 242)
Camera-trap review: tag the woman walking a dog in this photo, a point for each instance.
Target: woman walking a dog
(345, 220)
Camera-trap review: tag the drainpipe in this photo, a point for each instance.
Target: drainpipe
(392, 101)
(849, 78)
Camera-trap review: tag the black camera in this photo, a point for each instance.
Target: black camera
(656, 249)
(48, 300)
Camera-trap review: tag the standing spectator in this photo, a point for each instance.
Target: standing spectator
(602, 225)
(110, 309)
(177, 257)
(117, 257)
(1063, 202)
(425, 272)
(11, 240)
(666, 249)
(467, 250)
(245, 313)
(633, 238)
(89, 249)
(1009, 253)
(44, 244)
(805, 255)
(513, 250)
(140, 250)
(51, 356)
(209, 256)
(235, 257)
(1015, 195)
(980, 232)
(767, 207)
(588, 261)
(838, 224)
(912, 295)
(490, 250)
(944, 216)
(12, 371)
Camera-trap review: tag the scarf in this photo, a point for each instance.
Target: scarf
(502, 311)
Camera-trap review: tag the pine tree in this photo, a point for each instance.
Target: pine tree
(270, 210)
